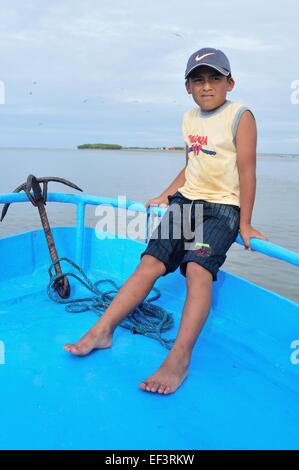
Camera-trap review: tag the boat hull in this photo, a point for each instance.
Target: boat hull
(242, 391)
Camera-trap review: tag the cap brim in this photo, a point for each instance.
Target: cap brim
(220, 69)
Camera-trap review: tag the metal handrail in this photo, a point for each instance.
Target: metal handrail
(81, 200)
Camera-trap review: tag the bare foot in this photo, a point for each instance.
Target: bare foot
(91, 340)
(169, 376)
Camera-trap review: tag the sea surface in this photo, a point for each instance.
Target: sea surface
(139, 175)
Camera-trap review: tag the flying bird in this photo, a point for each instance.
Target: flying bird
(178, 35)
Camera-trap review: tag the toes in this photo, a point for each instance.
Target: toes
(149, 386)
(72, 348)
(69, 347)
(155, 387)
(161, 388)
(143, 385)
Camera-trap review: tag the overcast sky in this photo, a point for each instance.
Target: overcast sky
(113, 71)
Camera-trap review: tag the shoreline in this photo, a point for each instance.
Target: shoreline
(137, 149)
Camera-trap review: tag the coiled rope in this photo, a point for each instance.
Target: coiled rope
(147, 319)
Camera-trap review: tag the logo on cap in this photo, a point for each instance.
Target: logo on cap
(198, 58)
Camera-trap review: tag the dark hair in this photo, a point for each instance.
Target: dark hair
(228, 77)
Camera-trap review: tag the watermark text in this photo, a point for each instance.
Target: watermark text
(295, 94)
(295, 354)
(179, 222)
(2, 353)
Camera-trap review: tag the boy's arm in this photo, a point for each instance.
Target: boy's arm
(171, 189)
(246, 159)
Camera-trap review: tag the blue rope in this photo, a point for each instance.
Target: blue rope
(147, 319)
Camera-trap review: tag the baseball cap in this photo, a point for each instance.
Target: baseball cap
(212, 58)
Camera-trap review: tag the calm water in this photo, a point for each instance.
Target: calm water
(140, 175)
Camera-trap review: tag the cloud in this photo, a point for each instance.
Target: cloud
(122, 64)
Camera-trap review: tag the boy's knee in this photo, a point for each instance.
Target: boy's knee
(152, 265)
(196, 272)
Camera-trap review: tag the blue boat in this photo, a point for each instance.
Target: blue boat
(243, 386)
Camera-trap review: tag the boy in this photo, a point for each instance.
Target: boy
(219, 175)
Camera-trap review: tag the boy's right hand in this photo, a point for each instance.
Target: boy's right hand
(157, 201)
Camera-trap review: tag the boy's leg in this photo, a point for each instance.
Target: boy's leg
(161, 256)
(131, 294)
(220, 229)
(196, 309)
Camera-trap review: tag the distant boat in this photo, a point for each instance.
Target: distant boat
(243, 388)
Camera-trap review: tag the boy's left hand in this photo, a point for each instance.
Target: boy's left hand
(247, 232)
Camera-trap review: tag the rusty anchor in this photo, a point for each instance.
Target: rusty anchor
(39, 200)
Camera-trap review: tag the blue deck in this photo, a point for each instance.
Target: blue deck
(242, 391)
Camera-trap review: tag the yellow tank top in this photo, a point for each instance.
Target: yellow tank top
(212, 173)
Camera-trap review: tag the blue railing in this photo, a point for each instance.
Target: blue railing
(82, 200)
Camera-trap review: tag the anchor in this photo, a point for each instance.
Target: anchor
(39, 200)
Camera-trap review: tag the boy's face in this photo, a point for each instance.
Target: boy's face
(208, 87)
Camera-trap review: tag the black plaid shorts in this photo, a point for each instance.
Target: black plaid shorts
(188, 233)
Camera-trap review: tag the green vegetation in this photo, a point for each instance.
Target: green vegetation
(100, 146)
(120, 147)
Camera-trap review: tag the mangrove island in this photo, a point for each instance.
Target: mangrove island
(120, 147)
